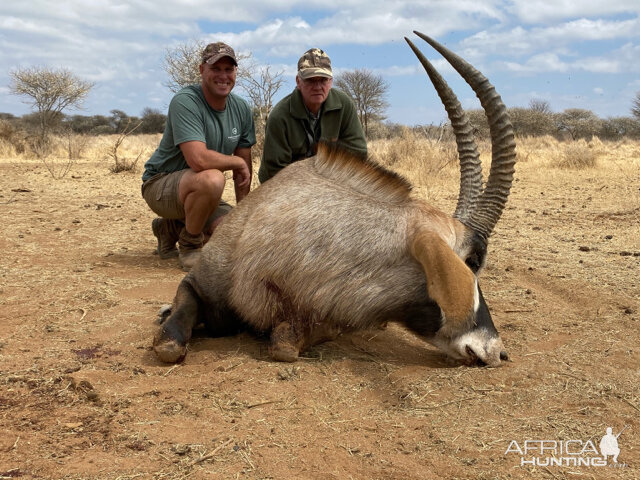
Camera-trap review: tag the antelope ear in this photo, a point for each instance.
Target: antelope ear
(450, 283)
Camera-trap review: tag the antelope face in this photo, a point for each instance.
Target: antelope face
(480, 344)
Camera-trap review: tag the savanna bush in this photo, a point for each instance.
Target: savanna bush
(12, 140)
(579, 154)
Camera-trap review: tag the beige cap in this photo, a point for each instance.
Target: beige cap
(314, 63)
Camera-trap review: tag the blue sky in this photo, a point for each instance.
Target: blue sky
(573, 54)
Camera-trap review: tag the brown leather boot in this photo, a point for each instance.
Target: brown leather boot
(167, 232)
(190, 248)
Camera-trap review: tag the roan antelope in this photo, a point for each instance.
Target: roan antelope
(336, 243)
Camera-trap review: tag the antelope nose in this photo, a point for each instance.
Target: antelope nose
(504, 356)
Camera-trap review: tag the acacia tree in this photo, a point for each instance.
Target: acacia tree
(368, 92)
(635, 107)
(578, 123)
(49, 91)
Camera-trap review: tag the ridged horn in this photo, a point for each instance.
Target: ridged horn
(470, 166)
(487, 212)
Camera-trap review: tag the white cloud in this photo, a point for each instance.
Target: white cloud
(362, 23)
(539, 11)
(561, 37)
(105, 16)
(396, 71)
(544, 62)
(623, 59)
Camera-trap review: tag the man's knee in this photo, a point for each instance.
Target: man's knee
(208, 183)
(210, 180)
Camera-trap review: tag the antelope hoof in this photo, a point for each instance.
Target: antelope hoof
(168, 350)
(283, 352)
(285, 344)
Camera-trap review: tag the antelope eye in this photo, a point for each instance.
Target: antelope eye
(473, 262)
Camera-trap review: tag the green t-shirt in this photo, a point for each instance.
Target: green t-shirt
(191, 118)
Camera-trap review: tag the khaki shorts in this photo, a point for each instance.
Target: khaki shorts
(161, 194)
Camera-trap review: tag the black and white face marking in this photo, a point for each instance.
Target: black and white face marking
(481, 344)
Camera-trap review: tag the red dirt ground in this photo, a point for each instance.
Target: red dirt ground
(83, 397)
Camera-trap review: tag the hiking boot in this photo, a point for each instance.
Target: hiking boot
(167, 232)
(190, 248)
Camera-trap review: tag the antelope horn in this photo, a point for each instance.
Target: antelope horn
(470, 167)
(486, 213)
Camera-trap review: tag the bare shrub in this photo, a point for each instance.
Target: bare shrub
(261, 86)
(40, 146)
(76, 144)
(58, 169)
(120, 163)
(45, 149)
(541, 106)
(616, 128)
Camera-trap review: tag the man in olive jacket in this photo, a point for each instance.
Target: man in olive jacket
(312, 112)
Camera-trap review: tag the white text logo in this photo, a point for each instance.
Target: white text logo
(568, 453)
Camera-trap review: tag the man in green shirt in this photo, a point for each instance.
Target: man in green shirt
(312, 112)
(209, 131)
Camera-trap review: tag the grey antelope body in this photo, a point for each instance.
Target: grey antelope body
(337, 243)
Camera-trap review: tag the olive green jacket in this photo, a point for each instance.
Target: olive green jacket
(289, 137)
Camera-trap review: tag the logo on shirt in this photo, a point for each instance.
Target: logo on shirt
(232, 140)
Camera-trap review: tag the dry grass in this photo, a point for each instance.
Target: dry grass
(418, 158)
(579, 155)
(64, 150)
(572, 155)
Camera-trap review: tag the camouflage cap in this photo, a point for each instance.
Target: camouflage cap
(215, 51)
(314, 63)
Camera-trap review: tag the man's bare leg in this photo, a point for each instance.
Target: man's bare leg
(200, 194)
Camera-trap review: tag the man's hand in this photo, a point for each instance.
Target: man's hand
(199, 158)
